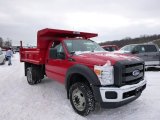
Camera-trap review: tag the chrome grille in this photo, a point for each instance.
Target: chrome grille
(123, 72)
(127, 73)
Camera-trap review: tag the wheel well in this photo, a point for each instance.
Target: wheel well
(40, 68)
(76, 78)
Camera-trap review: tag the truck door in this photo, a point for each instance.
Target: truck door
(140, 52)
(55, 67)
(152, 55)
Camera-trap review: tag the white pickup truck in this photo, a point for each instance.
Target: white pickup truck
(2, 57)
(148, 52)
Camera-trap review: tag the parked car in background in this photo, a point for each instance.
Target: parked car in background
(148, 52)
(2, 57)
(15, 48)
(110, 48)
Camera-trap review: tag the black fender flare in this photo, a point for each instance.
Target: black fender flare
(83, 70)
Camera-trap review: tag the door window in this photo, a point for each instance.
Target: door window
(140, 48)
(150, 48)
(60, 51)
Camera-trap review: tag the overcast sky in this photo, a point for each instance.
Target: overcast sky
(111, 19)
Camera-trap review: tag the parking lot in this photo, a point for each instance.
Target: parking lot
(47, 100)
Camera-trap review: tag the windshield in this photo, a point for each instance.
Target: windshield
(127, 48)
(75, 46)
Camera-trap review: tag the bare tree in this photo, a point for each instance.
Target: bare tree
(1, 42)
(142, 39)
(8, 43)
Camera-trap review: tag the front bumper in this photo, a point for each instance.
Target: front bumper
(117, 96)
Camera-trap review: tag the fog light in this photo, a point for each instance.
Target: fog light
(111, 95)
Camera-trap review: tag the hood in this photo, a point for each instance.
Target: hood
(101, 58)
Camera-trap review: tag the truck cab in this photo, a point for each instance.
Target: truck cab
(90, 74)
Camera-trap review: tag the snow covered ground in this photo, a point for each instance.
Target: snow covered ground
(47, 100)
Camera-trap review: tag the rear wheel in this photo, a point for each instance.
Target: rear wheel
(81, 98)
(33, 76)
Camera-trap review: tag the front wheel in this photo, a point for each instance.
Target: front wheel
(81, 98)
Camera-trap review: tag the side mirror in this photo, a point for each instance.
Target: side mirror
(135, 52)
(53, 53)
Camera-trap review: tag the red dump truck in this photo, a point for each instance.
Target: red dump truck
(90, 74)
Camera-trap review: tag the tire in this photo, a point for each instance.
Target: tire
(32, 76)
(81, 98)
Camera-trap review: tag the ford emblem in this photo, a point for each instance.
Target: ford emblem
(135, 73)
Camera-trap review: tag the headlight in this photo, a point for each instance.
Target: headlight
(105, 74)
